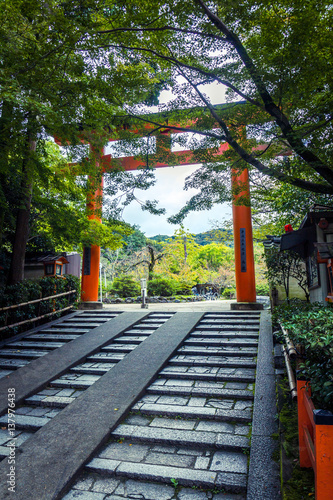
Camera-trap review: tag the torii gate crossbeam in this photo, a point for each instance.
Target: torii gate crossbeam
(242, 223)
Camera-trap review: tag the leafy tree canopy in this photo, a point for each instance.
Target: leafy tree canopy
(273, 62)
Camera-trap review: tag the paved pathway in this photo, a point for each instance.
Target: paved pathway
(153, 405)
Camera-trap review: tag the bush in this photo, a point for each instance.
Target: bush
(165, 287)
(30, 290)
(125, 286)
(262, 289)
(227, 292)
(311, 325)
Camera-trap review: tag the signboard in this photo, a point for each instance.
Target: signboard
(86, 260)
(243, 249)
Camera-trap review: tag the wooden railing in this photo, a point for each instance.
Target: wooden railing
(36, 318)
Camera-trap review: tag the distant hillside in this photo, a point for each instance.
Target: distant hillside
(214, 235)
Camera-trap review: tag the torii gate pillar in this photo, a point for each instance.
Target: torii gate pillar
(243, 244)
(92, 254)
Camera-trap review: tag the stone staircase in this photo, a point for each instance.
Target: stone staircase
(188, 437)
(38, 409)
(29, 346)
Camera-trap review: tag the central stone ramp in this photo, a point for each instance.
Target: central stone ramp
(48, 461)
(187, 438)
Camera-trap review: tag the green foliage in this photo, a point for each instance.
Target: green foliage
(125, 286)
(282, 266)
(213, 256)
(313, 328)
(165, 287)
(227, 292)
(30, 290)
(262, 289)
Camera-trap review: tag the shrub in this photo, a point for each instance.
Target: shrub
(30, 290)
(262, 289)
(227, 292)
(312, 326)
(165, 287)
(125, 286)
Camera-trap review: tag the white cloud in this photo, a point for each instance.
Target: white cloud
(169, 191)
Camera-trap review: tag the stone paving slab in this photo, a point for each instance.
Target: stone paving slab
(211, 361)
(209, 376)
(53, 336)
(201, 391)
(30, 344)
(96, 371)
(120, 488)
(26, 422)
(181, 437)
(66, 331)
(163, 474)
(196, 412)
(72, 446)
(78, 325)
(24, 354)
(35, 375)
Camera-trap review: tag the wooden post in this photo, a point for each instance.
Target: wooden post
(323, 444)
(315, 436)
(91, 255)
(304, 422)
(243, 239)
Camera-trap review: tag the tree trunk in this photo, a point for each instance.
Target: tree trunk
(16, 271)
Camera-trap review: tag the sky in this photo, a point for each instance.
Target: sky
(168, 190)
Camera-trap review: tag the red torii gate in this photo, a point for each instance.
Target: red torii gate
(242, 222)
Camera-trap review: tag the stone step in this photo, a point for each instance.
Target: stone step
(25, 422)
(74, 384)
(63, 331)
(146, 326)
(131, 340)
(201, 348)
(14, 364)
(50, 401)
(226, 335)
(217, 350)
(152, 321)
(216, 390)
(92, 370)
(24, 354)
(230, 482)
(233, 314)
(119, 348)
(94, 317)
(106, 357)
(221, 361)
(84, 320)
(190, 375)
(236, 341)
(138, 333)
(79, 325)
(231, 328)
(227, 321)
(49, 337)
(27, 344)
(200, 412)
(179, 437)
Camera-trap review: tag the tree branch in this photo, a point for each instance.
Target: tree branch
(280, 118)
